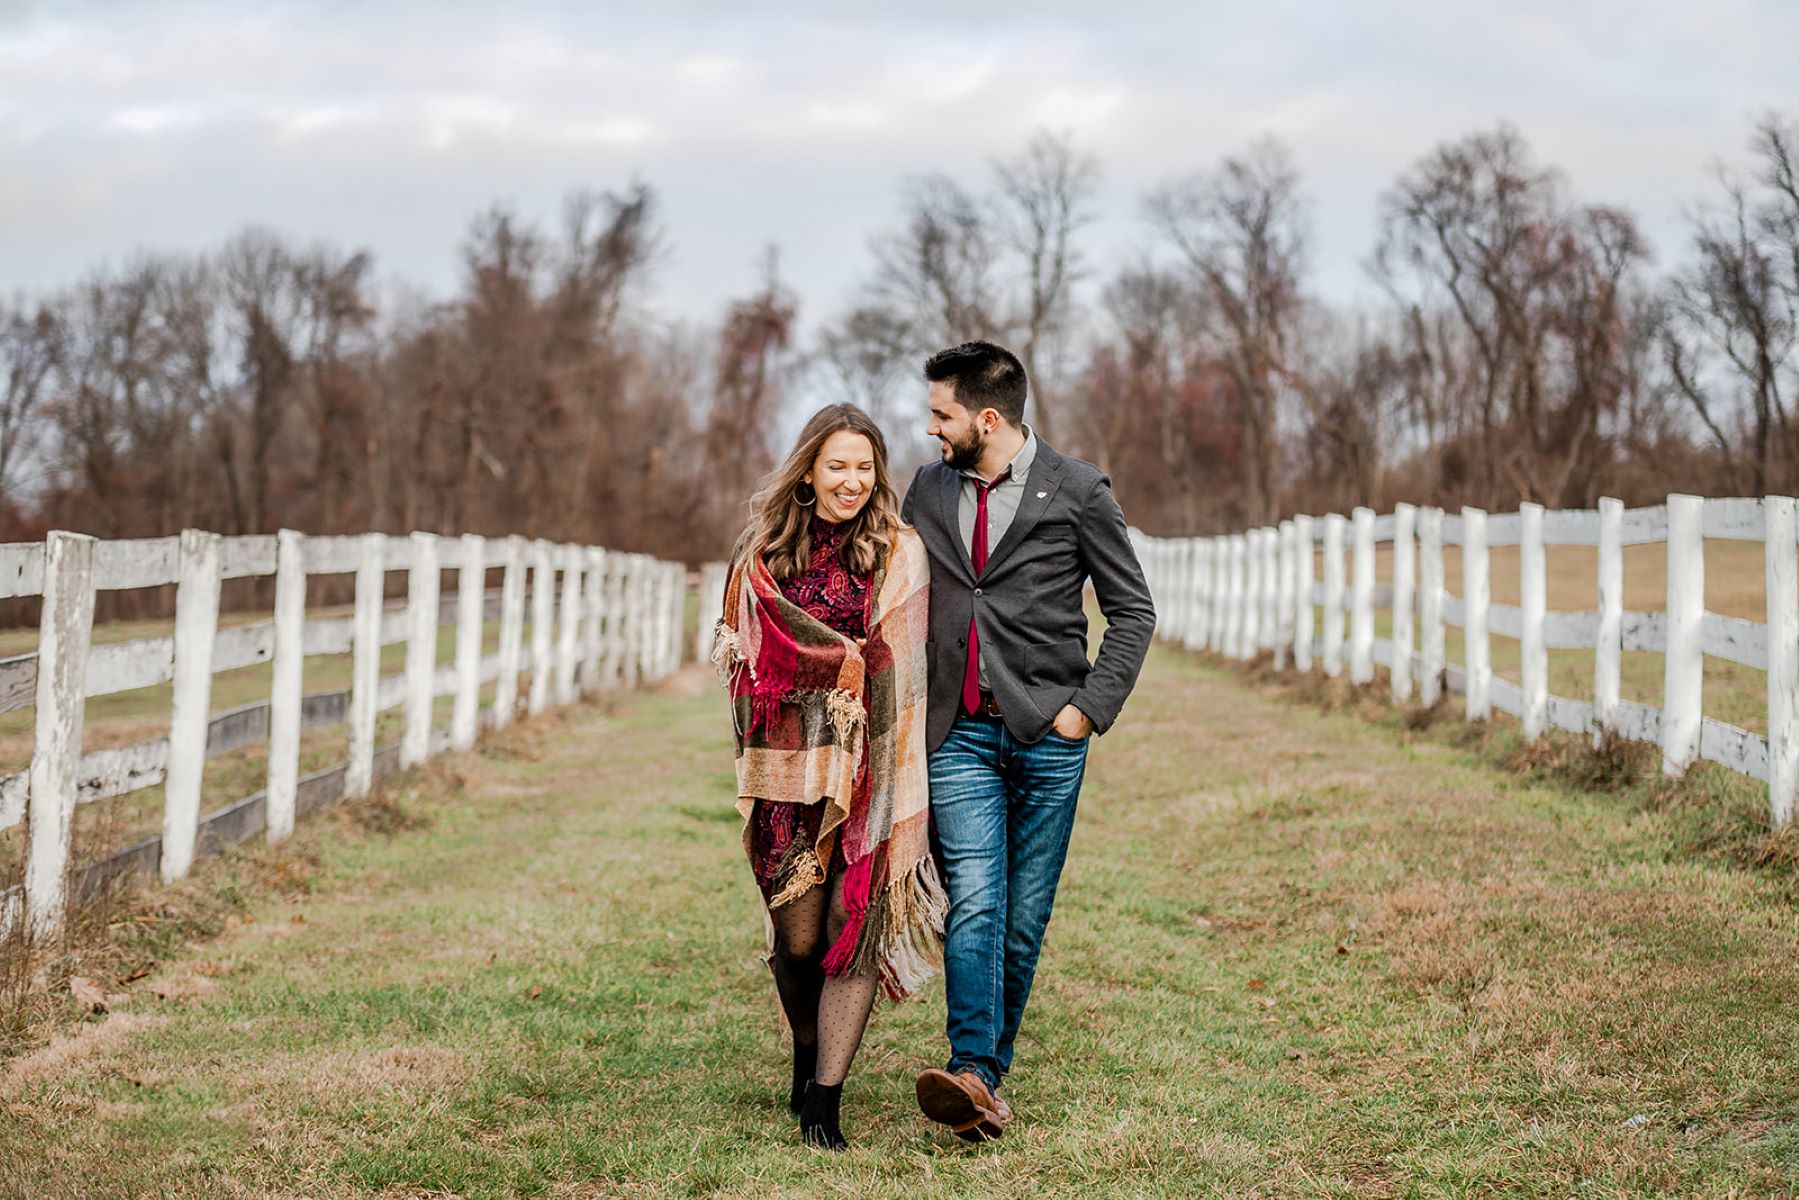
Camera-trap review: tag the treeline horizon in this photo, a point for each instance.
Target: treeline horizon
(1523, 348)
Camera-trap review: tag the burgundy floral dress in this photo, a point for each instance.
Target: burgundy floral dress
(837, 596)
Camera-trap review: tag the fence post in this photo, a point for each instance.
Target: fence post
(421, 648)
(1683, 676)
(1233, 629)
(652, 641)
(287, 687)
(630, 619)
(1476, 596)
(1190, 589)
(1271, 587)
(1303, 616)
(1199, 622)
(1405, 519)
(1283, 594)
(656, 650)
(196, 628)
(673, 591)
(1430, 605)
(1218, 637)
(1783, 660)
(512, 633)
(1166, 595)
(1608, 649)
(1163, 586)
(65, 631)
(471, 598)
(1181, 592)
(543, 616)
(365, 669)
(1333, 594)
(592, 644)
(568, 626)
(1533, 597)
(1251, 632)
(1272, 638)
(650, 589)
(612, 662)
(677, 609)
(647, 591)
(1361, 599)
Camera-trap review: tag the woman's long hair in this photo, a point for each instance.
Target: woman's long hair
(780, 527)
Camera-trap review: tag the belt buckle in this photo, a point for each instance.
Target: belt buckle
(989, 705)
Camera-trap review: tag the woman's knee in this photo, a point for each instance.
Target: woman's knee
(796, 938)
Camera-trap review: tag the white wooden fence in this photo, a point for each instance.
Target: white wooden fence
(597, 619)
(1244, 593)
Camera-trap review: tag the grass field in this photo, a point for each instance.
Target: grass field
(1297, 953)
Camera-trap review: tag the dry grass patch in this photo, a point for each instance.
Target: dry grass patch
(79, 1048)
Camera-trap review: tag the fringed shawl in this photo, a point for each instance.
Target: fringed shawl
(819, 717)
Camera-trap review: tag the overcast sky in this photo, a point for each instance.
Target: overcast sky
(168, 126)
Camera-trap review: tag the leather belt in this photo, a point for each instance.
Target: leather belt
(988, 707)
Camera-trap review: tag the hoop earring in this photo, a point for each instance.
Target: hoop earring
(810, 499)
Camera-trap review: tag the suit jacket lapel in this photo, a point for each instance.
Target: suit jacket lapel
(1039, 492)
(948, 515)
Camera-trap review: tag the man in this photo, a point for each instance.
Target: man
(1014, 531)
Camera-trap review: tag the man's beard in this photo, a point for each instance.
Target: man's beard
(964, 455)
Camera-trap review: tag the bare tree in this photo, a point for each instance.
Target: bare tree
(1043, 201)
(869, 355)
(1735, 315)
(939, 271)
(335, 315)
(1241, 231)
(30, 346)
(750, 372)
(1537, 287)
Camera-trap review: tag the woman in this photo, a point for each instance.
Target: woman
(822, 644)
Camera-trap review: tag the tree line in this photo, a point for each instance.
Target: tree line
(1523, 347)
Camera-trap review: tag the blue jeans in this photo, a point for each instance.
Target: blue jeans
(1003, 811)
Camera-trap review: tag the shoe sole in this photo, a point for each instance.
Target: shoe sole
(943, 1101)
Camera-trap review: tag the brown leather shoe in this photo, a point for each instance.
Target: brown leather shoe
(963, 1102)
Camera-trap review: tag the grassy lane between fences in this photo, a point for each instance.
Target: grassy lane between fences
(1298, 952)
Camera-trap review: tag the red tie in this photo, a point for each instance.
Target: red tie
(971, 676)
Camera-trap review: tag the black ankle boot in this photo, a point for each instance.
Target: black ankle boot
(805, 1061)
(818, 1120)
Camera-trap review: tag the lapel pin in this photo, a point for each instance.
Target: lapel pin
(1042, 495)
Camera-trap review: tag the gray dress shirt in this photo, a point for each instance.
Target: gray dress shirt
(1002, 506)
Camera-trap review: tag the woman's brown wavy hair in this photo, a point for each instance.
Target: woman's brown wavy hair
(780, 527)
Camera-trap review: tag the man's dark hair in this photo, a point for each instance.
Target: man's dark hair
(984, 376)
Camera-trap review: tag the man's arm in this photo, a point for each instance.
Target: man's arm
(1123, 593)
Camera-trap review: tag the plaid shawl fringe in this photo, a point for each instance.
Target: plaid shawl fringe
(789, 672)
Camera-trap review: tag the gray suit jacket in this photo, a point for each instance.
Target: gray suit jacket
(1027, 605)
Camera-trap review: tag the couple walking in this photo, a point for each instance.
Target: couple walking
(912, 701)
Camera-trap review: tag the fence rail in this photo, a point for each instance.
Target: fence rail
(596, 619)
(1240, 594)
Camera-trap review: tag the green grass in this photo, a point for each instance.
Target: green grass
(1295, 954)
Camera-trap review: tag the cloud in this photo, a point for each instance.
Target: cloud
(171, 123)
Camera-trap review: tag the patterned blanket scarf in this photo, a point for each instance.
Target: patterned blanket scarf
(819, 717)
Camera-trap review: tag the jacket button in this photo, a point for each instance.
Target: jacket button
(977, 591)
(961, 643)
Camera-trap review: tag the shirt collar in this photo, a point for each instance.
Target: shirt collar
(1020, 466)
